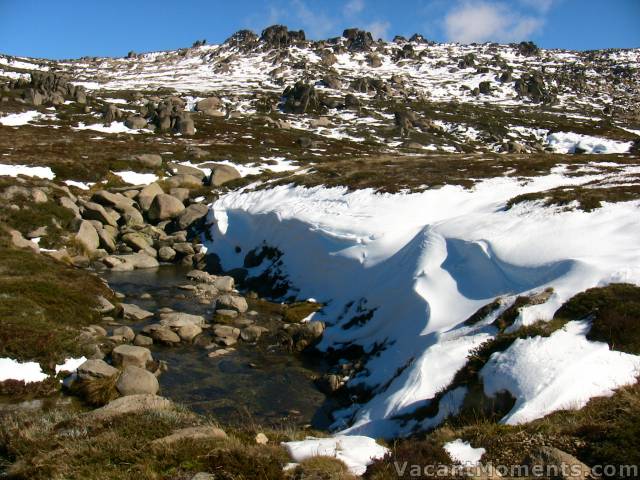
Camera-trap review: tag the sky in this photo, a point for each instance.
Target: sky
(73, 28)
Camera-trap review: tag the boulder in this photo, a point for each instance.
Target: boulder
(252, 333)
(115, 200)
(95, 211)
(357, 40)
(136, 122)
(125, 263)
(211, 103)
(92, 369)
(226, 335)
(106, 240)
(188, 332)
(137, 381)
(184, 180)
(151, 160)
(180, 319)
(165, 207)
(128, 404)
(572, 468)
(131, 355)
(232, 302)
(191, 214)
(222, 174)
(147, 194)
(180, 193)
(300, 98)
(87, 237)
(134, 312)
(132, 217)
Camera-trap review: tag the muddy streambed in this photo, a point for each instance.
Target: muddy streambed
(257, 383)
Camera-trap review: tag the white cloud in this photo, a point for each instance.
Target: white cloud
(353, 7)
(379, 29)
(540, 5)
(317, 24)
(486, 21)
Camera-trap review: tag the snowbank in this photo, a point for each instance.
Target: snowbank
(135, 178)
(562, 371)
(17, 119)
(15, 170)
(463, 452)
(355, 451)
(568, 142)
(421, 264)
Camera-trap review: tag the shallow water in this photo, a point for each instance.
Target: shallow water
(255, 383)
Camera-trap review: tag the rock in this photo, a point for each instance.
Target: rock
(329, 383)
(129, 404)
(38, 232)
(87, 237)
(147, 194)
(222, 174)
(515, 147)
(227, 313)
(185, 125)
(18, 241)
(220, 352)
(165, 335)
(180, 319)
(485, 88)
(142, 340)
(188, 332)
(125, 332)
(224, 284)
(569, 467)
(252, 333)
(165, 207)
(279, 36)
(115, 200)
(137, 381)
(132, 217)
(92, 369)
(69, 204)
(191, 214)
(126, 355)
(184, 180)
(226, 334)
(300, 98)
(136, 122)
(373, 60)
(201, 277)
(137, 241)
(180, 193)
(106, 240)
(111, 113)
(357, 40)
(205, 432)
(320, 122)
(209, 104)
(95, 211)
(232, 302)
(124, 263)
(351, 101)
(151, 160)
(166, 254)
(104, 306)
(314, 328)
(134, 312)
(184, 248)
(203, 476)
(261, 439)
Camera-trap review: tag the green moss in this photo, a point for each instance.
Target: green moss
(615, 314)
(44, 305)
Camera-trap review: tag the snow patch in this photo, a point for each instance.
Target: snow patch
(462, 452)
(135, 178)
(568, 142)
(15, 170)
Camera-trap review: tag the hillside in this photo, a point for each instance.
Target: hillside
(452, 229)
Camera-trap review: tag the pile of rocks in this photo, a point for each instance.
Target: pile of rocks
(47, 88)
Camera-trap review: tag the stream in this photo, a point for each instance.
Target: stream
(256, 383)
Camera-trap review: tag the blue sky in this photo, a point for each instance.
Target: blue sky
(73, 28)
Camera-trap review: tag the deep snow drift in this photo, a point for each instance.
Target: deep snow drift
(425, 262)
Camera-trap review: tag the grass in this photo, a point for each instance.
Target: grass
(44, 306)
(322, 468)
(61, 444)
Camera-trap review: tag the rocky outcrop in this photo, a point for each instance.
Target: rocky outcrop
(300, 98)
(279, 36)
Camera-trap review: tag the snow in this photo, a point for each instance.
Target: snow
(462, 452)
(355, 451)
(423, 263)
(244, 169)
(567, 142)
(135, 178)
(17, 119)
(115, 127)
(562, 371)
(15, 170)
(80, 185)
(27, 372)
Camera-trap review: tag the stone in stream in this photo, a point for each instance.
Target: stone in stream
(163, 334)
(125, 332)
(142, 340)
(104, 306)
(227, 313)
(231, 302)
(226, 335)
(166, 254)
(164, 207)
(220, 352)
(106, 240)
(135, 381)
(180, 319)
(134, 312)
(252, 333)
(184, 248)
(125, 263)
(92, 369)
(188, 332)
(125, 355)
